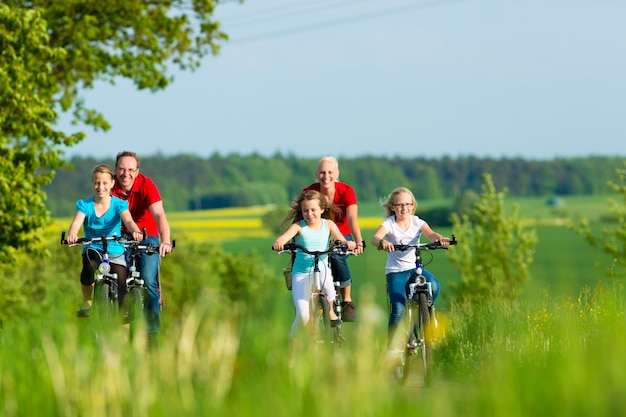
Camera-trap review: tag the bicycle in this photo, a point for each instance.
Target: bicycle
(322, 329)
(135, 283)
(105, 292)
(419, 316)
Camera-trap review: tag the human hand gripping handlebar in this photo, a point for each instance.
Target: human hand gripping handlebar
(126, 240)
(337, 247)
(85, 241)
(427, 245)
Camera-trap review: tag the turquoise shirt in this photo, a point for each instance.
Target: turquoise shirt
(313, 240)
(109, 224)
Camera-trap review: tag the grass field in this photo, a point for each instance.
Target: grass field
(558, 351)
(241, 230)
(563, 262)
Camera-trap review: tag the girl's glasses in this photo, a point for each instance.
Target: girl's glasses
(406, 205)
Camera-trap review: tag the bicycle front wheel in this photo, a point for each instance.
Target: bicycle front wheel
(105, 302)
(402, 364)
(136, 309)
(425, 335)
(320, 317)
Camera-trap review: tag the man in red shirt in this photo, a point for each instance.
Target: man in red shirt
(146, 208)
(344, 212)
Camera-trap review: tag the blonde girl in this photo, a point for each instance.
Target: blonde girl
(310, 228)
(101, 215)
(402, 226)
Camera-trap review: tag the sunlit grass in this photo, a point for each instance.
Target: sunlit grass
(563, 357)
(559, 355)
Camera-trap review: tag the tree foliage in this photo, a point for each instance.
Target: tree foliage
(184, 180)
(612, 239)
(50, 51)
(27, 136)
(494, 250)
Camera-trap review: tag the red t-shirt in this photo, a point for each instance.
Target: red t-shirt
(143, 194)
(344, 197)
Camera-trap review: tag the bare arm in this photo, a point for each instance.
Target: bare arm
(379, 241)
(77, 221)
(336, 235)
(434, 236)
(352, 214)
(291, 232)
(130, 224)
(158, 213)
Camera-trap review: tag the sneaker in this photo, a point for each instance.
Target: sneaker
(85, 310)
(153, 342)
(125, 318)
(348, 312)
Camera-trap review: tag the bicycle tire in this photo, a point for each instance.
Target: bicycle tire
(321, 320)
(336, 335)
(425, 335)
(402, 367)
(136, 309)
(105, 302)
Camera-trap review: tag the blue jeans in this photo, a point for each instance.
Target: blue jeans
(148, 266)
(339, 267)
(396, 290)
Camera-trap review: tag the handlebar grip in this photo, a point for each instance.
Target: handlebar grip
(287, 247)
(63, 241)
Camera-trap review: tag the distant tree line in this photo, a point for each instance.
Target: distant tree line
(189, 182)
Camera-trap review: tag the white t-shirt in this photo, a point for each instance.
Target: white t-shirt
(398, 261)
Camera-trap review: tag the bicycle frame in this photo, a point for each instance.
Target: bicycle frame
(419, 318)
(136, 284)
(321, 328)
(105, 291)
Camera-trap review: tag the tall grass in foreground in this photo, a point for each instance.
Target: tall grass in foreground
(561, 357)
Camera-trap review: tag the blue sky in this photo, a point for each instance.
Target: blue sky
(535, 79)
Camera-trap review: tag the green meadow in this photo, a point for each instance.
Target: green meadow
(558, 351)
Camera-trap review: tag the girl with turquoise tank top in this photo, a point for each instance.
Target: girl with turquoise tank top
(310, 227)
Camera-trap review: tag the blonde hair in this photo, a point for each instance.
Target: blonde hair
(295, 215)
(102, 169)
(390, 200)
(329, 159)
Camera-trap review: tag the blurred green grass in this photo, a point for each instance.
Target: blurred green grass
(559, 350)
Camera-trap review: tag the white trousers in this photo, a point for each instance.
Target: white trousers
(301, 292)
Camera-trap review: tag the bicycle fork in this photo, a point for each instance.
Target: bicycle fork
(419, 286)
(105, 276)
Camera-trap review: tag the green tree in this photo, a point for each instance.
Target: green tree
(50, 51)
(27, 138)
(494, 250)
(611, 240)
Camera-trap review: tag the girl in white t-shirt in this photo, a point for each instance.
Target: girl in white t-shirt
(402, 226)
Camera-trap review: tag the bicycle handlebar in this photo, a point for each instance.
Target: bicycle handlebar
(84, 241)
(124, 240)
(428, 245)
(337, 247)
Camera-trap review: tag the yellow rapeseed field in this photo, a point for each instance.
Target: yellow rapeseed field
(218, 224)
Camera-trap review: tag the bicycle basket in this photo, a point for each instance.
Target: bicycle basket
(287, 275)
